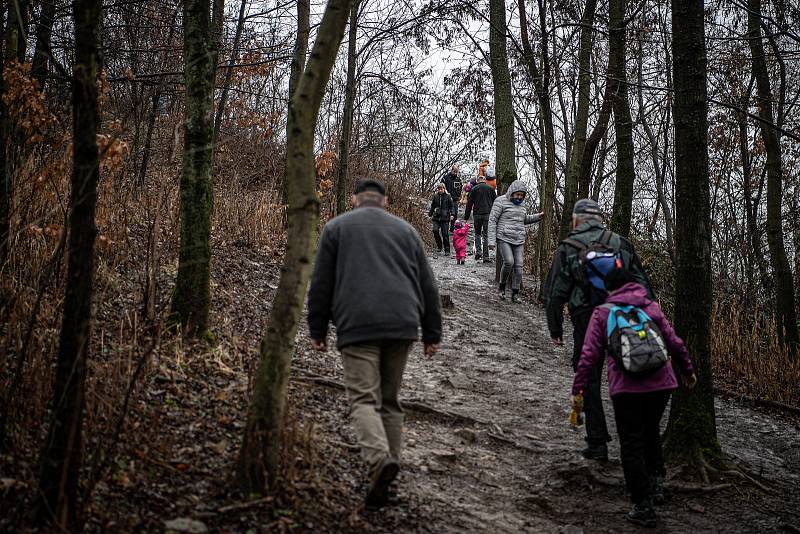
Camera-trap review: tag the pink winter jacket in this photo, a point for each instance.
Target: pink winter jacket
(595, 347)
(460, 238)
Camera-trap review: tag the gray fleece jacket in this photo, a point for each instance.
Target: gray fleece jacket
(507, 221)
(373, 280)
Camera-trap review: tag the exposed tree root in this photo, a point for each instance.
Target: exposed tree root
(679, 487)
(725, 467)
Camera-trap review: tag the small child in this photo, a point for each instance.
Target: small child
(460, 241)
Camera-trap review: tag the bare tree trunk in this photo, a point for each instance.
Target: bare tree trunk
(44, 32)
(692, 430)
(62, 451)
(505, 141)
(784, 284)
(298, 59)
(582, 118)
(223, 97)
(5, 175)
(259, 458)
(342, 189)
(192, 296)
(597, 136)
(623, 124)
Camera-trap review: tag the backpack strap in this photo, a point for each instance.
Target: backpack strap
(575, 243)
(605, 237)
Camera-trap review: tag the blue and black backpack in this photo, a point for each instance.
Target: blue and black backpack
(596, 261)
(634, 340)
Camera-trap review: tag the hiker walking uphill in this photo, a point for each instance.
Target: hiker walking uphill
(581, 287)
(454, 187)
(639, 341)
(373, 280)
(507, 222)
(480, 201)
(442, 211)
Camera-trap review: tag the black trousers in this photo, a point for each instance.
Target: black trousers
(638, 418)
(455, 215)
(596, 427)
(482, 235)
(441, 235)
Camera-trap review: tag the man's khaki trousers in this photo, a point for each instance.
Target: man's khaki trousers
(373, 373)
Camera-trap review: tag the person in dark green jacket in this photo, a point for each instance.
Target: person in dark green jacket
(564, 286)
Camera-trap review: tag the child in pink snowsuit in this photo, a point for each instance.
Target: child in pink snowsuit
(460, 241)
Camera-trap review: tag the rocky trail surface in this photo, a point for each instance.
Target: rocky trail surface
(487, 444)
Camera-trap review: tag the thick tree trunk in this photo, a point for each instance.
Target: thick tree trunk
(784, 284)
(576, 162)
(259, 457)
(505, 141)
(692, 430)
(192, 296)
(342, 182)
(623, 124)
(597, 136)
(61, 456)
(44, 32)
(298, 59)
(5, 175)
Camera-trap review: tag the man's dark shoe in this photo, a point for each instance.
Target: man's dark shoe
(515, 298)
(487, 259)
(596, 452)
(643, 514)
(657, 489)
(378, 492)
(477, 257)
(502, 293)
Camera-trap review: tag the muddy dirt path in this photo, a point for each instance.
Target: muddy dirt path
(494, 452)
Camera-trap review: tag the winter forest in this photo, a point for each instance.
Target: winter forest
(168, 170)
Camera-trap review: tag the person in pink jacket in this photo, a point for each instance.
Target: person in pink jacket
(639, 400)
(460, 241)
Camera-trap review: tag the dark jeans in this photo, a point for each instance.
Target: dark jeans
(596, 427)
(482, 235)
(441, 235)
(638, 425)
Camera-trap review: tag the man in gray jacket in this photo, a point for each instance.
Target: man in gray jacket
(372, 279)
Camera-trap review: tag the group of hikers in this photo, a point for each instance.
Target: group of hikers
(373, 280)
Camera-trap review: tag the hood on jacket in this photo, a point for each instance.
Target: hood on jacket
(631, 293)
(516, 185)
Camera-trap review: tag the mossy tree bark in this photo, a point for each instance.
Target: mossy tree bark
(192, 296)
(581, 119)
(784, 284)
(259, 458)
(61, 457)
(342, 182)
(623, 123)
(692, 433)
(505, 141)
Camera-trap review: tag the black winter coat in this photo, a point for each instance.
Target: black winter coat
(442, 207)
(480, 200)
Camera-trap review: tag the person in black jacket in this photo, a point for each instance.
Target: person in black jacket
(454, 187)
(441, 213)
(373, 280)
(480, 201)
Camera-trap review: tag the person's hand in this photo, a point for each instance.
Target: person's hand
(431, 349)
(558, 342)
(541, 214)
(690, 381)
(319, 344)
(573, 402)
(491, 247)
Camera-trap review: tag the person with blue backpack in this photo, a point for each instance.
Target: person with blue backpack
(576, 279)
(632, 332)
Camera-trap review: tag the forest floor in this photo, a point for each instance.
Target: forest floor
(488, 446)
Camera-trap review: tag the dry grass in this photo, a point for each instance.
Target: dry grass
(747, 358)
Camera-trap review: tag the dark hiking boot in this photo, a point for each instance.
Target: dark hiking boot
(378, 492)
(487, 259)
(643, 514)
(596, 452)
(478, 257)
(657, 489)
(515, 298)
(502, 294)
